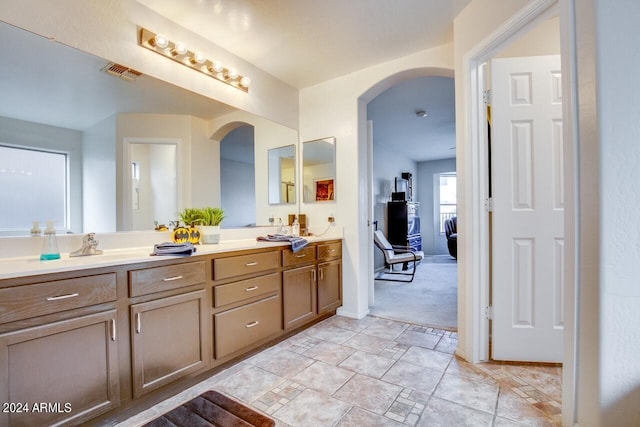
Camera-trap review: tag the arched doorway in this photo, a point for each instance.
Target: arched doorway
(366, 145)
(414, 141)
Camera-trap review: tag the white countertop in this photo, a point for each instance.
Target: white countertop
(11, 267)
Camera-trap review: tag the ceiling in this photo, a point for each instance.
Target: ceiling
(397, 127)
(305, 42)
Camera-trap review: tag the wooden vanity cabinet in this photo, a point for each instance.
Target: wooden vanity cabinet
(313, 289)
(168, 334)
(68, 367)
(247, 303)
(329, 277)
(90, 344)
(329, 286)
(299, 289)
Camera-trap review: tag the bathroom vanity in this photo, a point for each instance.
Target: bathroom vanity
(89, 339)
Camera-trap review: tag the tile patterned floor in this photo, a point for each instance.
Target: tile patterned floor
(378, 372)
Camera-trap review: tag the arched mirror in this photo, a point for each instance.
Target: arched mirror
(319, 170)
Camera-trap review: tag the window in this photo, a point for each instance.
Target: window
(448, 207)
(33, 187)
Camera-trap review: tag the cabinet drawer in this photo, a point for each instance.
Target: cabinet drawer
(238, 291)
(157, 279)
(329, 251)
(243, 326)
(303, 256)
(224, 268)
(27, 301)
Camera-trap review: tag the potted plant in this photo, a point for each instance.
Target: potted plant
(190, 216)
(207, 220)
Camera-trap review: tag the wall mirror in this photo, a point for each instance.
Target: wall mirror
(56, 98)
(319, 170)
(282, 175)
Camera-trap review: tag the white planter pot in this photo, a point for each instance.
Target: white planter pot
(209, 234)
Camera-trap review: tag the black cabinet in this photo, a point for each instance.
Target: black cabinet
(403, 224)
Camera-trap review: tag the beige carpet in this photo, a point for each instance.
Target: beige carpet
(430, 300)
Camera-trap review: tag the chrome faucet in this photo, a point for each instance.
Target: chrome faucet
(89, 245)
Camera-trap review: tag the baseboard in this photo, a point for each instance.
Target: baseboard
(341, 312)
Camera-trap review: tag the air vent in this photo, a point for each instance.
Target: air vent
(121, 71)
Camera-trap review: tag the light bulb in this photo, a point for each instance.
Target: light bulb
(232, 73)
(245, 81)
(161, 41)
(217, 66)
(180, 49)
(198, 58)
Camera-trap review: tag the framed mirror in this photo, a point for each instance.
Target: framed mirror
(282, 175)
(319, 170)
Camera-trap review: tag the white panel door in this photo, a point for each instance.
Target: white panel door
(528, 199)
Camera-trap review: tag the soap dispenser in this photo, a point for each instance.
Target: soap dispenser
(50, 244)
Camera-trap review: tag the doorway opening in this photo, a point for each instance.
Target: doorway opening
(412, 126)
(237, 177)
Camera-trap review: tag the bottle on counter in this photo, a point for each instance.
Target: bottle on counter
(50, 245)
(35, 229)
(295, 227)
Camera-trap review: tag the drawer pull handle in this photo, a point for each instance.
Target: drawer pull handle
(113, 329)
(138, 323)
(321, 274)
(252, 324)
(59, 297)
(171, 279)
(301, 256)
(332, 250)
(251, 264)
(253, 288)
(313, 274)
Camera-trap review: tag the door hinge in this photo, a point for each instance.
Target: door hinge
(486, 97)
(488, 204)
(488, 312)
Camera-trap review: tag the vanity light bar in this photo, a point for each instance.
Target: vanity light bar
(195, 60)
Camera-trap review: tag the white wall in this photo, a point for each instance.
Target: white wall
(543, 39)
(99, 176)
(108, 29)
(338, 108)
(608, 332)
(28, 134)
(433, 243)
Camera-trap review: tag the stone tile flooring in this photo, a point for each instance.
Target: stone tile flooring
(378, 372)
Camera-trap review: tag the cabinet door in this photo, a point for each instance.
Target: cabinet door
(329, 286)
(66, 372)
(168, 340)
(299, 296)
